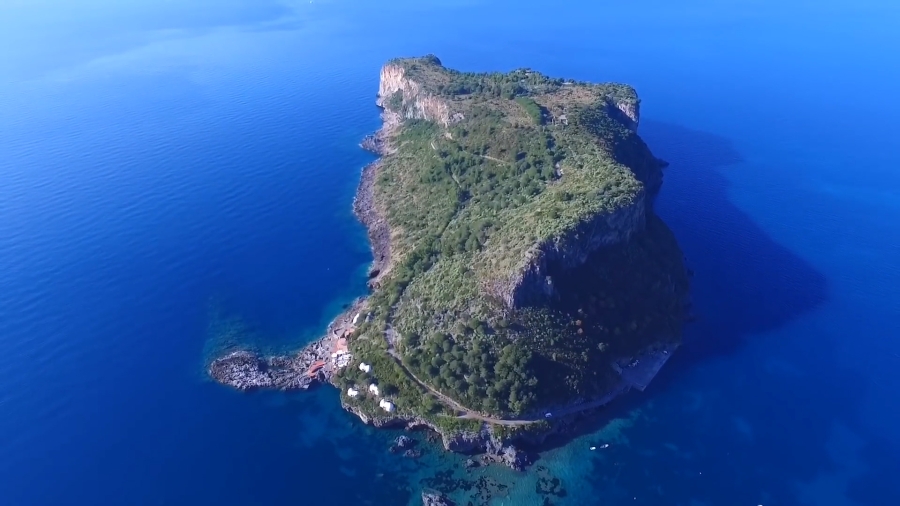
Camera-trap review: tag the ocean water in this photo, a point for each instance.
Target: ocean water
(176, 178)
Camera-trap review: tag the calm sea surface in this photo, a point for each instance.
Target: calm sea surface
(176, 177)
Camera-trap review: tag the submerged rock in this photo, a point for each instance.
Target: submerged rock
(436, 499)
(402, 443)
(413, 453)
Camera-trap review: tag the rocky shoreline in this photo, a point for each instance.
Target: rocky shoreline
(364, 207)
(485, 443)
(378, 230)
(246, 370)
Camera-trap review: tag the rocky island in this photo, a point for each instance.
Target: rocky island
(520, 275)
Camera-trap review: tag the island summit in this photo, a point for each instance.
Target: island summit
(520, 275)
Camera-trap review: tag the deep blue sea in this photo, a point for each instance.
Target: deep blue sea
(177, 177)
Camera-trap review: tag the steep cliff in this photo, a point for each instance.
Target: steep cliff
(532, 283)
(631, 110)
(398, 93)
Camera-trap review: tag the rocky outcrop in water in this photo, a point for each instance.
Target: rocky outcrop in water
(514, 458)
(244, 370)
(402, 443)
(506, 454)
(436, 499)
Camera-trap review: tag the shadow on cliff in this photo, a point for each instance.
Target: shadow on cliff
(788, 401)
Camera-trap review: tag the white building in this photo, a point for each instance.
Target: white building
(355, 319)
(373, 388)
(364, 367)
(352, 392)
(343, 359)
(386, 405)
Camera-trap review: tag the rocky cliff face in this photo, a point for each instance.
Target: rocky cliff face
(532, 282)
(416, 103)
(631, 112)
(634, 153)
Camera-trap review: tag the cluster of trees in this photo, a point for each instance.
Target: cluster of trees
(534, 110)
(515, 162)
(598, 122)
(477, 371)
(498, 85)
(467, 238)
(623, 299)
(485, 166)
(393, 382)
(419, 260)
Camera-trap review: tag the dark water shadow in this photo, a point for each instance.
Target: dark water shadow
(746, 285)
(757, 285)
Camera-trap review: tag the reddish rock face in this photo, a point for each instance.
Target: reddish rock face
(416, 104)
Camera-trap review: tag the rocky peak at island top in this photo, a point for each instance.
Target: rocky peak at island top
(520, 274)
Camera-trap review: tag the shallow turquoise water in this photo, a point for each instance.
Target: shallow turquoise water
(173, 170)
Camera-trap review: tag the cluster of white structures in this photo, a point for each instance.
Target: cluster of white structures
(373, 389)
(341, 358)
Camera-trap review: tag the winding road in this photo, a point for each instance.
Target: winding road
(469, 414)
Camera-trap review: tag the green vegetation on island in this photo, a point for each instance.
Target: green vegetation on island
(525, 257)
